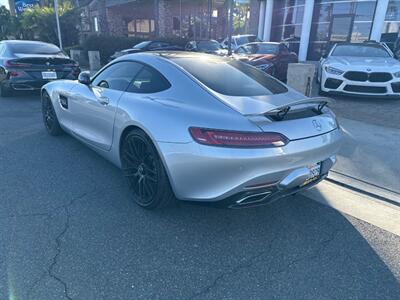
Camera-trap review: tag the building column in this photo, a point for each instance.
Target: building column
(379, 20)
(306, 29)
(261, 18)
(269, 6)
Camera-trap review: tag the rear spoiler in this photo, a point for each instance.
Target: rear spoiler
(321, 101)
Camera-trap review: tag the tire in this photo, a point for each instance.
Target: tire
(50, 119)
(5, 92)
(145, 172)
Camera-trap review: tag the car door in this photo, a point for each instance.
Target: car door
(93, 107)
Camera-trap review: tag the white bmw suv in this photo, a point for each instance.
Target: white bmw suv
(365, 69)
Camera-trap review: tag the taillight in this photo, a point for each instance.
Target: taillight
(16, 64)
(237, 139)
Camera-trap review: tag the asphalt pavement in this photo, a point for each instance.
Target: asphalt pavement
(70, 230)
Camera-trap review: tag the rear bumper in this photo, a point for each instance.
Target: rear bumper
(26, 82)
(210, 174)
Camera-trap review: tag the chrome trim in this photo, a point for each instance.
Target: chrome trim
(240, 201)
(261, 186)
(295, 178)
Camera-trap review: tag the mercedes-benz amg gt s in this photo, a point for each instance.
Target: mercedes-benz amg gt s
(197, 127)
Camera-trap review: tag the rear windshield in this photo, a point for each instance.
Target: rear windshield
(142, 45)
(208, 45)
(360, 51)
(230, 77)
(34, 48)
(246, 39)
(262, 48)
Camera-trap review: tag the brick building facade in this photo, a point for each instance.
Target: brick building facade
(164, 18)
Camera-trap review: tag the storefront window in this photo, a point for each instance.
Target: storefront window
(391, 26)
(287, 22)
(339, 21)
(140, 27)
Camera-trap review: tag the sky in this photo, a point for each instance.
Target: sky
(4, 2)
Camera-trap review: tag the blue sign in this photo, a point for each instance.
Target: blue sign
(22, 5)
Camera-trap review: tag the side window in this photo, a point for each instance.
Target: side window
(163, 44)
(117, 76)
(149, 81)
(155, 45)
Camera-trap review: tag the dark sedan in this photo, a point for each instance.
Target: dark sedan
(147, 46)
(206, 46)
(272, 58)
(28, 65)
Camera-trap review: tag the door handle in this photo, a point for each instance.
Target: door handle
(103, 100)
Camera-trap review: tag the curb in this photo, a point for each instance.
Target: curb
(377, 212)
(364, 187)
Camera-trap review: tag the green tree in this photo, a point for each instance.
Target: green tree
(5, 22)
(40, 23)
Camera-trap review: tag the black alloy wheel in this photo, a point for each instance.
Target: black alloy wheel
(49, 116)
(142, 167)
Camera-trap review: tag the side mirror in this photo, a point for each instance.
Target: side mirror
(3, 74)
(84, 78)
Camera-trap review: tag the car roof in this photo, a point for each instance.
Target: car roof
(243, 35)
(168, 55)
(24, 42)
(204, 40)
(367, 43)
(267, 43)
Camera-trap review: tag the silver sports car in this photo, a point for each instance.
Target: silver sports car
(197, 127)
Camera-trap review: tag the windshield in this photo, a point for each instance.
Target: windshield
(208, 45)
(246, 39)
(141, 45)
(262, 48)
(230, 77)
(360, 51)
(34, 48)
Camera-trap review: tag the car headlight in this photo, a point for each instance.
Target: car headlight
(397, 74)
(334, 71)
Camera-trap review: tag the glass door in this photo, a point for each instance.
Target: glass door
(341, 28)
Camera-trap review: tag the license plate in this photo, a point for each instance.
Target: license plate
(49, 75)
(315, 171)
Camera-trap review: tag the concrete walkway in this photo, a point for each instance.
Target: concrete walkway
(370, 153)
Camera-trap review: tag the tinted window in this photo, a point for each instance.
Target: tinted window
(262, 48)
(156, 45)
(149, 81)
(360, 50)
(117, 76)
(34, 48)
(142, 45)
(208, 45)
(246, 39)
(231, 77)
